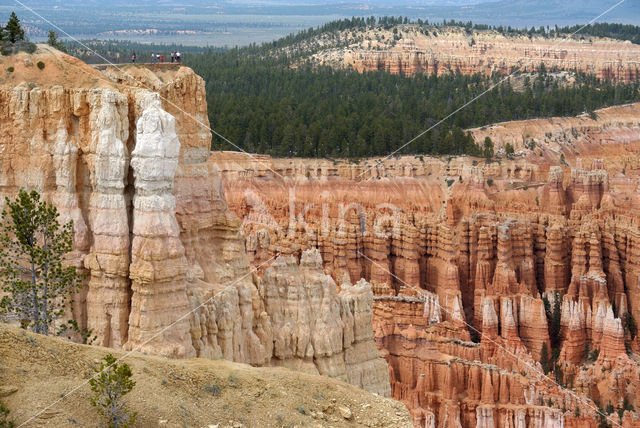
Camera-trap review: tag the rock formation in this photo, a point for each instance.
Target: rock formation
(466, 277)
(106, 165)
(447, 50)
(475, 268)
(158, 263)
(314, 326)
(124, 154)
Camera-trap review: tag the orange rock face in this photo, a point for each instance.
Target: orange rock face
(118, 151)
(466, 274)
(415, 277)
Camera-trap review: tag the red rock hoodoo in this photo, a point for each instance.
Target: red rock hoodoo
(466, 275)
(452, 285)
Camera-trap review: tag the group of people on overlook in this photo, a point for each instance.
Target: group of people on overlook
(175, 57)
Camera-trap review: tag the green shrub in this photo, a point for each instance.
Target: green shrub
(213, 389)
(27, 47)
(10, 69)
(5, 422)
(40, 65)
(110, 384)
(508, 148)
(490, 182)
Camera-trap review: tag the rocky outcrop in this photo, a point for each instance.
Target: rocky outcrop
(294, 318)
(314, 326)
(447, 50)
(123, 153)
(581, 142)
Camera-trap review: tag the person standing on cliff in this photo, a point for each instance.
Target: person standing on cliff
(133, 58)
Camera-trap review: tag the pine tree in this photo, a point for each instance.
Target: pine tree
(112, 382)
(556, 317)
(14, 31)
(488, 148)
(53, 40)
(32, 247)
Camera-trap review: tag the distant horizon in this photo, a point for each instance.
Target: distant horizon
(240, 23)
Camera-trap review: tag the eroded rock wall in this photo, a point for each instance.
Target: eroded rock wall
(124, 153)
(448, 50)
(467, 259)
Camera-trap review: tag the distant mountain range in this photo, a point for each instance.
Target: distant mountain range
(240, 22)
(505, 12)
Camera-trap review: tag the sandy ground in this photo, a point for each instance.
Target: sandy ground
(35, 371)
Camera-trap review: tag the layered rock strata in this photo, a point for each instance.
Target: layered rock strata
(158, 262)
(448, 50)
(123, 153)
(478, 268)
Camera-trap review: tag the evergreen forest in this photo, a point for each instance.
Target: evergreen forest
(263, 104)
(269, 99)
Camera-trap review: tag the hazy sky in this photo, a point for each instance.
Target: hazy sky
(227, 23)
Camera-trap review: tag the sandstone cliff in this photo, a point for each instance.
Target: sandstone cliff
(124, 153)
(447, 50)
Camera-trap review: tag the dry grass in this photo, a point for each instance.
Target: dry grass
(177, 393)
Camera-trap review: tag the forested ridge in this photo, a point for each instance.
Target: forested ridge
(268, 99)
(263, 105)
(615, 31)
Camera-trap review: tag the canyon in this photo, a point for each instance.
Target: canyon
(469, 259)
(495, 292)
(410, 49)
